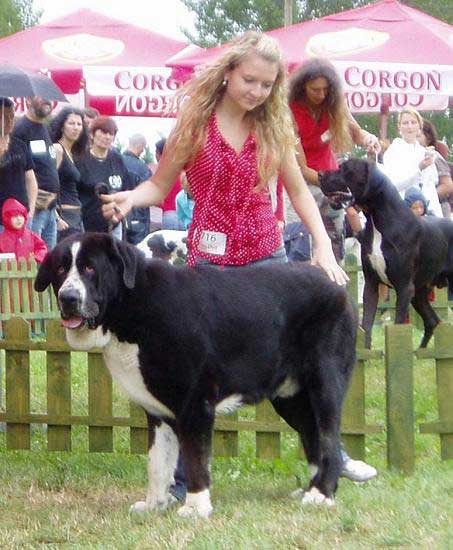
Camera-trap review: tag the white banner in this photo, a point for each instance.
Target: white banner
(371, 102)
(129, 81)
(134, 91)
(396, 78)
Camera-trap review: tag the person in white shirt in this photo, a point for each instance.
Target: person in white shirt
(407, 163)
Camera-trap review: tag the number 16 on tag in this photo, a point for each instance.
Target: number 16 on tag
(212, 242)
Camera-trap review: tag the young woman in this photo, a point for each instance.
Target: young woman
(70, 139)
(101, 164)
(234, 135)
(408, 163)
(326, 128)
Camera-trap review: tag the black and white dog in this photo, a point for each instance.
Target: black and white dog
(403, 251)
(186, 343)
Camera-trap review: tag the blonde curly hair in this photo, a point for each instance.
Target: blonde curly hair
(271, 121)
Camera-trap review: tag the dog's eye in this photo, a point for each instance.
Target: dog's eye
(61, 270)
(88, 269)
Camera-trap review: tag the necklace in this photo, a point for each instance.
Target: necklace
(97, 157)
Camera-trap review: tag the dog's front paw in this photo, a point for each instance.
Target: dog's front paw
(197, 505)
(142, 506)
(314, 496)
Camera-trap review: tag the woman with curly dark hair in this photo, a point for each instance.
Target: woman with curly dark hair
(70, 138)
(326, 128)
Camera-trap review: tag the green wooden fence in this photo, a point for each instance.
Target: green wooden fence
(18, 298)
(266, 425)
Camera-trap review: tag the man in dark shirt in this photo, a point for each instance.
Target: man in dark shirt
(138, 171)
(32, 131)
(17, 179)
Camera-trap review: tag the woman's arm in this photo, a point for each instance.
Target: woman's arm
(306, 208)
(150, 192)
(59, 152)
(362, 137)
(310, 175)
(31, 187)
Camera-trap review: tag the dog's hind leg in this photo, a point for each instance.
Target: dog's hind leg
(430, 318)
(315, 414)
(370, 301)
(162, 458)
(404, 295)
(298, 413)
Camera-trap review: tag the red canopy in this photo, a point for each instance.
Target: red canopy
(383, 48)
(66, 47)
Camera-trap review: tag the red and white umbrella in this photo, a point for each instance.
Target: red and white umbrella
(386, 53)
(113, 60)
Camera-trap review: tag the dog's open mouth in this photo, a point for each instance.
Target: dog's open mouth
(73, 322)
(77, 322)
(339, 199)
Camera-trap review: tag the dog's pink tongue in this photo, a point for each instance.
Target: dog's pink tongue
(74, 322)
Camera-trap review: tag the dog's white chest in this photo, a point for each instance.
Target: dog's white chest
(121, 358)
(377, 257)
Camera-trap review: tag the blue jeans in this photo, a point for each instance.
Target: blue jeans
(45, 226)
(277, 257)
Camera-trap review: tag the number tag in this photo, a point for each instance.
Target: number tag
(38, 146)
(212, 242)
(326, 136)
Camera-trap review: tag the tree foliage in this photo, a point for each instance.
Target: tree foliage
(17, 15)
(218, 21)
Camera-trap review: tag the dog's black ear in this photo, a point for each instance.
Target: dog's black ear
(44, 276)
(128, 256)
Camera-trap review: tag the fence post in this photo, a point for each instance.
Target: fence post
(226, 442)
(400, 397)
(139, 436)
(354, 406)
(100, 439)
(267, 443)
(444, 374)
(17, 385)
(352, 269)
(58, 388)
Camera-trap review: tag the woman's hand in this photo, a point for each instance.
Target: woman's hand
(61, 224)
(427, 161)
(116, 206)
(372, 144)
(323, 256)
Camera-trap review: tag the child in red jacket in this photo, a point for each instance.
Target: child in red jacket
(16, 237)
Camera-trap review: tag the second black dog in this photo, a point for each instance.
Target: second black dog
(405, 252)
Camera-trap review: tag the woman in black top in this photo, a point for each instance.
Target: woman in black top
(102, 164)
(70, 139)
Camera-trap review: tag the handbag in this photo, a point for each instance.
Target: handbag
(44, 199)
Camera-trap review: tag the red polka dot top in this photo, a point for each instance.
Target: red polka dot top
(221, 182)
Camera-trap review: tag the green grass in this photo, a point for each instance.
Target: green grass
(81, 500)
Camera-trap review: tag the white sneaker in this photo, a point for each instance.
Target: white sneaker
(357, 470)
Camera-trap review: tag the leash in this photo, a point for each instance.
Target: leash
(103, 188)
